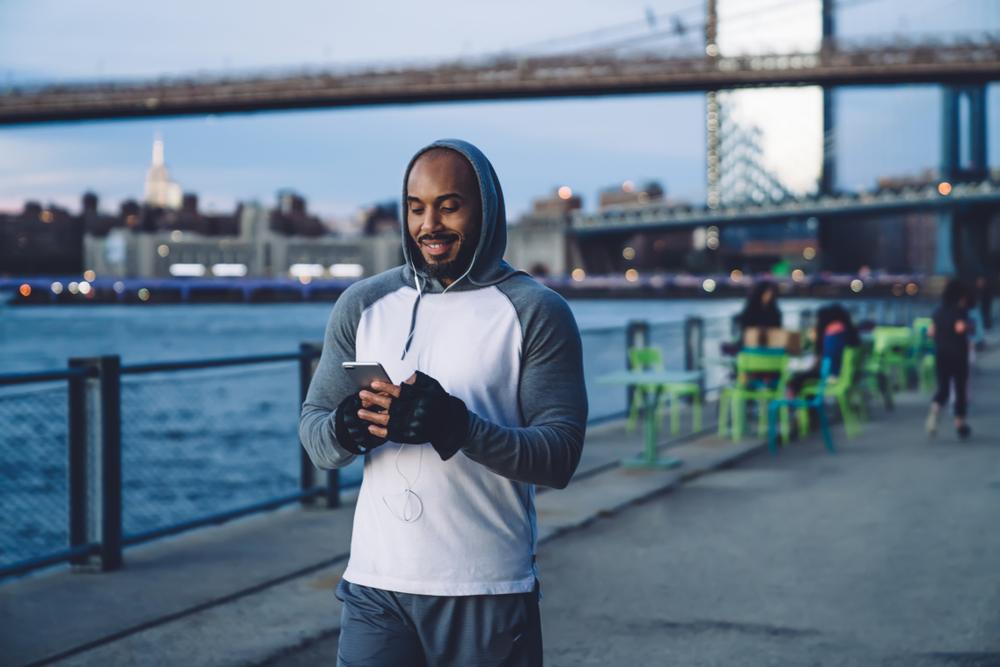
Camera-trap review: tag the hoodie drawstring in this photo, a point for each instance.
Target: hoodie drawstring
(413, 317)
(420, 293)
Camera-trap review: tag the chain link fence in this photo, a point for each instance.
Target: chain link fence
(200, 442)
(669, 338)
(716, 365)
(603, 352)
(33, 470)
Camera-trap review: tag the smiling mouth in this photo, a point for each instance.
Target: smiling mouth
(438, 246)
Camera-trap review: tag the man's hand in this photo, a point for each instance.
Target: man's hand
(418, 411)
(381, 396)
(352, 431)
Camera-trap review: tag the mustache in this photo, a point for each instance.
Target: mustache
(439, 236)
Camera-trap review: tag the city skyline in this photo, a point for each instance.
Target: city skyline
(342, 160)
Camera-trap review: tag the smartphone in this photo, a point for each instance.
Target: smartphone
(365, 372)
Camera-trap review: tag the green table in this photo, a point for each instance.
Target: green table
(650, 457)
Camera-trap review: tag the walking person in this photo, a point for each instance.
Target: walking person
(951, 330)
(486, 401)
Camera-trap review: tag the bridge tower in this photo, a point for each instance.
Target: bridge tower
(713, 111)
(962, 243)
(723, 133)
(828, 173)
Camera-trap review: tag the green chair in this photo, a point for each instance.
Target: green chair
(651, 358)
(893, 353)
(750, 364)
(845, 388)
(871, 381)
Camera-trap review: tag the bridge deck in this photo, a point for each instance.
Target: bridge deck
(509, 77)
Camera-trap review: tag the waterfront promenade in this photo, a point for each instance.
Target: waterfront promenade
(883, 554)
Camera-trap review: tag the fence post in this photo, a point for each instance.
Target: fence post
(307, 471)
(111, 462)
(77, 463)
(96, 460)
(694, 346)
(636, 335)
(308, 359)
(694, 336)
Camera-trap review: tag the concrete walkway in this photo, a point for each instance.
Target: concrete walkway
(886, 554)
(245, 591)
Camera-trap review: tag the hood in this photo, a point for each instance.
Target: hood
(488, 266)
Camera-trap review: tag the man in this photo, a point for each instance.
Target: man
(487, 401)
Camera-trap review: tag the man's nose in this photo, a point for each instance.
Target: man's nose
(431, 223)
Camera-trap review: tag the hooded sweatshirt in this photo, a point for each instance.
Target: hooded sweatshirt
(510, 349)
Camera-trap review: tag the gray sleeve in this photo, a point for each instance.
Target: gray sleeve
(330, 385)
(551, 394)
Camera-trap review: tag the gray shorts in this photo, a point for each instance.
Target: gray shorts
(383, 628)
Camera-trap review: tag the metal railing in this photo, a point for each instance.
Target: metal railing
(98, 459)
(101, 456)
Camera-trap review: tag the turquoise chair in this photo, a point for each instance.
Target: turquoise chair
(817, 402)
(845, 389)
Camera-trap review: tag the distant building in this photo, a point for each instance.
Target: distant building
(381, 218)
(895, 242)
(758, 246)
(160, 190)
(283, 242)
(143, 240)
(291, 218)
(40, 240)
(538, 243)
(627, 193)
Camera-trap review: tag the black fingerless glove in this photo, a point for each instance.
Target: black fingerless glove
(425, 412)
(352, 431)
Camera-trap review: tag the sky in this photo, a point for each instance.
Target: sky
(343, 159)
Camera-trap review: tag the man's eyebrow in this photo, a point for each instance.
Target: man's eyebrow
(437, 200)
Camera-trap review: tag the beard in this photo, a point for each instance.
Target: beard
(447, 270)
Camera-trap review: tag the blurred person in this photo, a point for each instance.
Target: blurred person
(761, 308)
(833, 332)
(442, 565)
(950, 330)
